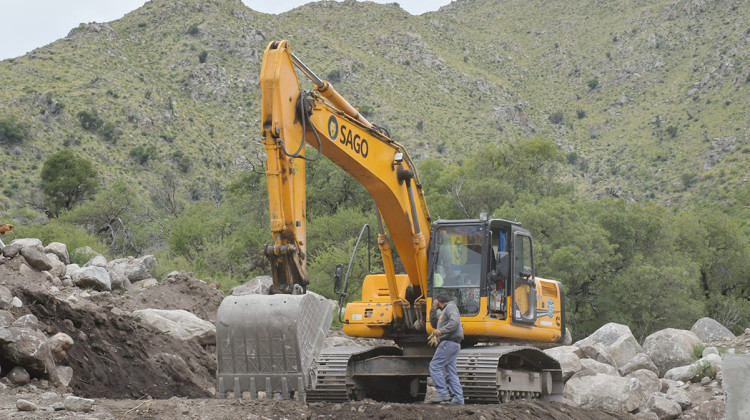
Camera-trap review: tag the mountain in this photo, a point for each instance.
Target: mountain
(649, 99)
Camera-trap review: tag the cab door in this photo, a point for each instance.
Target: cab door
(524, 293)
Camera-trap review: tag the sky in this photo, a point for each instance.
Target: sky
(29, 24)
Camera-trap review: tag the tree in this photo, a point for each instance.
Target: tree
(67, 180)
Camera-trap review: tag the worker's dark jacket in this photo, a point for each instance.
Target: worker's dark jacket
(448, 322)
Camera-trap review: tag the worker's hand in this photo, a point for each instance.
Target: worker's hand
(432, 340)
(437, 332)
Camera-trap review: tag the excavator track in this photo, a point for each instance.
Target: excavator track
(330, 373)
(491, 375)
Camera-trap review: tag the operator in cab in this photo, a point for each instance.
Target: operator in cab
(443, 364)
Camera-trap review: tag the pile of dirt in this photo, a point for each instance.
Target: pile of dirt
(180, 290)
(115, 356)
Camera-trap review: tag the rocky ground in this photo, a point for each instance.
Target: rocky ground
(108, 341)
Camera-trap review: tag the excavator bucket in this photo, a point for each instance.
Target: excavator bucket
(269, 343)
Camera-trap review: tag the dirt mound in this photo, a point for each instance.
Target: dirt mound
(178, 291)
(115, 356)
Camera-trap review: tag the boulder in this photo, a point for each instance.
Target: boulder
(134, 268)
(84, 253)
(17, 245)
(596, 351)
(5, 298)
(28, 348)
(598, 367)
(16, 302)
(97, 261)
(6, 318)
(662, 406)
(606, 392)
(27, 321)
(680, 396)
(36, 258)
(639, 361)
(710, 331)
(711, 409)
(65, 375)
(145, 284)
(255, 286)
(58, 267)
(568, 359)
(707, 366)
(78, 404)
(619, 342)
(25, 405)
(96, 278)
(59, 249)
(18, 376)
(179, 323)
(670, 348)
(710, 350)
(119, 281)
(59, 344)
(649, 382)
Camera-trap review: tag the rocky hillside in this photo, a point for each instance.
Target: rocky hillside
(648, 99)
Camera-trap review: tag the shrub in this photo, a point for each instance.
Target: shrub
(12, 131)
(202, 56)
(194, 30)
(143, 154)
(672, 131)
(581, 114)
(556, 117)
(90, 120)
(593, 83)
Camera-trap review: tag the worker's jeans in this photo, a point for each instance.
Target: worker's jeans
(443, 370)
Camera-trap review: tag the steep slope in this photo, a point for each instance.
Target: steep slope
(649, 98)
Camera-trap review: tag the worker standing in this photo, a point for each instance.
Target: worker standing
(443, 365)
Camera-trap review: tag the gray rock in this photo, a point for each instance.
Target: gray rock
(18, 376)
(134, 268)
(59, 249)
(639, 361)
(28, 348)
(649, 382)
(96, 278)
(78, 404)
(670, 348)
(36, 258)
(119, 281)
(27, 321)
(17, 245)
(599, 367)
(611, 393)
(58, 267)
(84, 253)
(58, 406)
(710, 350)
(619, 342)
(6, 318)
(568, 359)
(25, 405)
(97, 261)
(67, 282)
(5, 298)
(707, 366)
(145, 284)
(178, 323)
(65, 375)
(59, 344)
(255, 286)
(338, 342)
(16, 302)
(710, 331)
(711, 409)
(680, 396)
(663, 407)
(596, 351)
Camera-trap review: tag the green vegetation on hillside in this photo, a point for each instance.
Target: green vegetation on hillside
(616, 132)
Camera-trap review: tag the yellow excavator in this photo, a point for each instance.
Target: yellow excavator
(274, 343)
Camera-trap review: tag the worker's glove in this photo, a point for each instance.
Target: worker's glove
(432, 339)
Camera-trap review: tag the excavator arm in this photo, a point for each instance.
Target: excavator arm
(326, 121)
